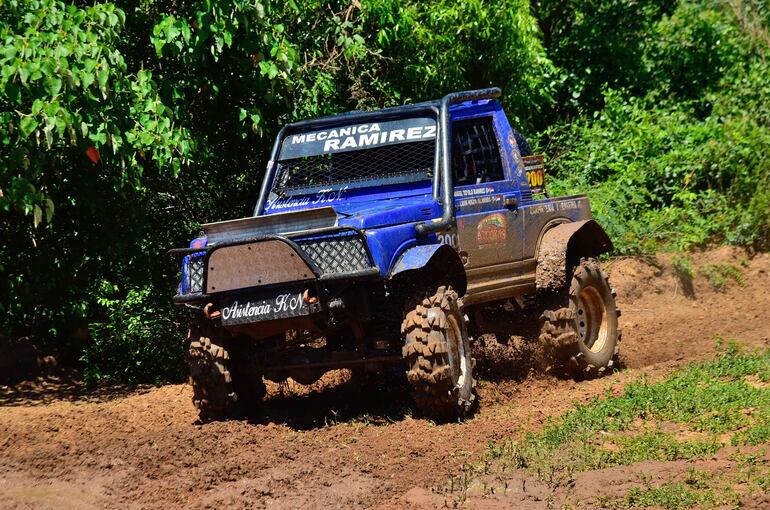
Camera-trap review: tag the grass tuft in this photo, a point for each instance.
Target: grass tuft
(720, 276)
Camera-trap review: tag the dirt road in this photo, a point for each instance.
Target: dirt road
(343, 444)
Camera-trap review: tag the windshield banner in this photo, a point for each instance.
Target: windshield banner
(357, 136)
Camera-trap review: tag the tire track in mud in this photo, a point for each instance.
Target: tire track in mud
(343, 443)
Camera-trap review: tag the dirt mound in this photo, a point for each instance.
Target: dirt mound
(347, 442)
(662, 320)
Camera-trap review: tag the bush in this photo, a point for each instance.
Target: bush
(661, 170)
(137, 340)
(664, 179)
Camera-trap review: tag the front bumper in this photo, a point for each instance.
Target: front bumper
(332, 257)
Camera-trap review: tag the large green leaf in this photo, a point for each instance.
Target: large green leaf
(28, 124)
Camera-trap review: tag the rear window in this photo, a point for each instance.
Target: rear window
(357, 155)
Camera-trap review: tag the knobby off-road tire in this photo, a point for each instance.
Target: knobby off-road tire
(438, 355)
(225, 376)
(583, 337)
(213, 392)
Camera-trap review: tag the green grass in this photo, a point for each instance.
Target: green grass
(710, 398)
(720, 275)
(669, 495)
(690, 415)
(704, 489)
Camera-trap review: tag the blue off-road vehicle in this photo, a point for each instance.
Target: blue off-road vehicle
(376, 235)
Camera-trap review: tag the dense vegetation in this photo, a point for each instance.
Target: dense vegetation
(124, 125)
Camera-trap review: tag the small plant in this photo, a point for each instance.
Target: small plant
(683, 267)
(670, 495)
(720, 275)
(684, 273)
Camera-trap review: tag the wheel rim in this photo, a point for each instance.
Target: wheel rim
(457, 359)
(592, 319)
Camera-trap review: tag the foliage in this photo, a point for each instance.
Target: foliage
(65, 87)
(125, 341)
(66, 90)
(683, 164)
(125, 125)
(694, 49)
(595, 45)
(669, 495)
(720, 275)
(444, 46)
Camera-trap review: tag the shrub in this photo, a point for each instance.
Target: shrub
(137, 340)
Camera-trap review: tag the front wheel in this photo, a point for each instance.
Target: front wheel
(225, 375)
(213, 392)
(438, 355)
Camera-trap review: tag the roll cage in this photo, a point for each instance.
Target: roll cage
(442, 171)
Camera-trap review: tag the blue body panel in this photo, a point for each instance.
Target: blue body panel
(387, 215)
(415, 258)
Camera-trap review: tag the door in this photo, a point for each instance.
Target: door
(489, 225)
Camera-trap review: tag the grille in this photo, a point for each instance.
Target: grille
(338, 254)
(195, 274)
(408, 161)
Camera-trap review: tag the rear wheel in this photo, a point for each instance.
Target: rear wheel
(438, 354)
(585, 333)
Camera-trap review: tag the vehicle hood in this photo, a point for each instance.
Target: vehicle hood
(383, 213)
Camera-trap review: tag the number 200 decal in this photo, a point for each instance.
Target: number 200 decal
(535, 178)
(535, 173)
(449, 238)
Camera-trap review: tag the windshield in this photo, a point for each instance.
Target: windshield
(359, 155)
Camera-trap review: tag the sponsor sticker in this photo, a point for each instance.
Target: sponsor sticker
(492, 229)
(535, 169)
(322, 197)
(357, 136)
(275, 307)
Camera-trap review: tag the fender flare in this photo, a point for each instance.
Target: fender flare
(437, 260)
(565, 241)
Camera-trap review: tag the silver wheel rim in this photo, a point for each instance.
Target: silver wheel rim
(591, 319)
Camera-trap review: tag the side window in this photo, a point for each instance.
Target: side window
(475, 154)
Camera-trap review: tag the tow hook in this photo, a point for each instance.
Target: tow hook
(209, 314)
(307, 298)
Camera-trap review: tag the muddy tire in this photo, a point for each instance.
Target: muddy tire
(213, 392)
(583, 337)
(438, 355)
